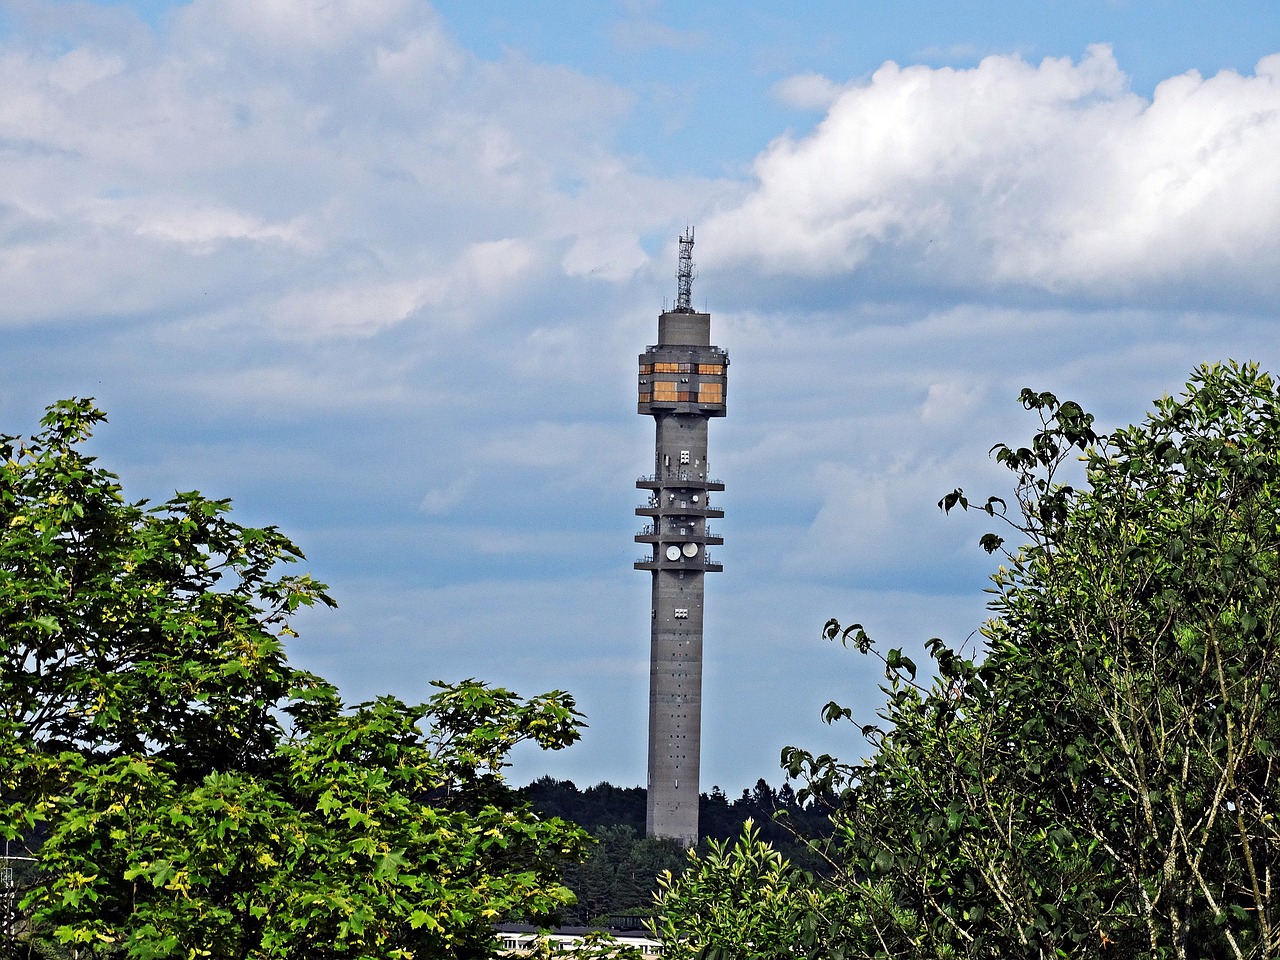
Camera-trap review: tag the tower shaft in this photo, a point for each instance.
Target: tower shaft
(682, 384)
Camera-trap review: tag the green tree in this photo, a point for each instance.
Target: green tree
(381, 839)
(619, 875)
(187, 792)
(129, 628)
(736, 902)
(1101, 780)
(602, 805)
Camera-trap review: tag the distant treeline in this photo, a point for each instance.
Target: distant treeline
(619, 877)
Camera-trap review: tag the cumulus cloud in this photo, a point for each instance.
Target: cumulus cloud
(1052, 177)
(344, 168)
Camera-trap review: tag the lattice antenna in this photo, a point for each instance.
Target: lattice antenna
(684, 273)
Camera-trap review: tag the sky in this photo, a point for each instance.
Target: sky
(379, 271)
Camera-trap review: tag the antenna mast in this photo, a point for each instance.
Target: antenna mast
(684, 274)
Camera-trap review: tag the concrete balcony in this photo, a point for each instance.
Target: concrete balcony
(650, 533)
(680, 479)
(678, 510)
(699, 564)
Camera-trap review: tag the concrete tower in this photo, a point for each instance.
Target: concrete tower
(682, 385)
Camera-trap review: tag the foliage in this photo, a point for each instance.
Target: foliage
(619, 875)
(782, 820)
(605, 805)
(616, 883)
(342, 856)
(136, 629)
(594, 808)
(591, 945)
(1102, 783)
(189, 793)
(736, 902)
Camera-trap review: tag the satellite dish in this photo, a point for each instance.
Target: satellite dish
(673, 552)
(691, 550)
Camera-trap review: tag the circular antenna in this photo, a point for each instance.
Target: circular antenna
(673, 552)
(691, 550)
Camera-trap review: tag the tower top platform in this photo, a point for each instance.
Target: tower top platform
(684, 328)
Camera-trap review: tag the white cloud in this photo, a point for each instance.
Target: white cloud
(1052, 177)
(282, 26)
(948, 402)
(612, 256)
(202, 229)
(881, 520)
(78, 68)
(351, 307)
(807, 91)
(344, 169)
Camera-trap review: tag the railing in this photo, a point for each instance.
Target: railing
(703, 560)
(694, 510)
(651, 530)
(675, 475)
(655, 347)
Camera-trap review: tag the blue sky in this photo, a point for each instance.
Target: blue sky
(379, 272)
